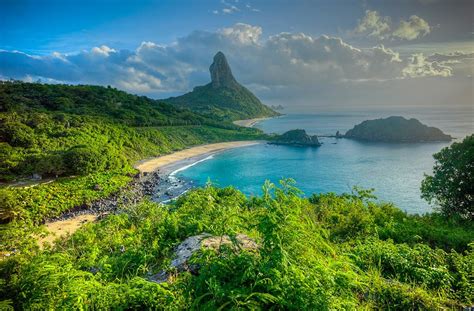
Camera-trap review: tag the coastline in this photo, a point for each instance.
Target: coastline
(158, 182)
(163, 163)
(169, 186)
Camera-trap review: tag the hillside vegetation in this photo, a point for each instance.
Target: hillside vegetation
(327, 252)
(93, 134)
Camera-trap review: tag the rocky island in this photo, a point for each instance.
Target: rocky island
(296, 138)
(396, 129)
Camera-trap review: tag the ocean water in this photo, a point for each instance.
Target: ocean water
(395, 171)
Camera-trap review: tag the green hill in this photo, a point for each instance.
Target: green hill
(224, 97)
(42, 126)
(82, 136)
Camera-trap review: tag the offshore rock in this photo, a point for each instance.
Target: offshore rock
(297, 138)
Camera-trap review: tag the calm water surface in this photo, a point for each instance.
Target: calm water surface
(393, 170)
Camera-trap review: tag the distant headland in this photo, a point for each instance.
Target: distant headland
(396, 129)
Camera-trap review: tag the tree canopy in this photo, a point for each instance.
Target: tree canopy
(451, 186)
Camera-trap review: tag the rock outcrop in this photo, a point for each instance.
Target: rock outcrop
(223, 98)
(396, 129)
(297, 138)
(193, 244)
(221, 74)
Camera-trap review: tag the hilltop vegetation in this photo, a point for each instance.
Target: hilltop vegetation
(225, 103)
(323, 253)
(223, 98)
(451, 186)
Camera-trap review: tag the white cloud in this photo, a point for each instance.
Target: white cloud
(281, 62)
(380, 27)
(243, 33)
(103, 50)
(412, 29)
(419, 66)
(456, 56)
(374, 25)
(229, 8)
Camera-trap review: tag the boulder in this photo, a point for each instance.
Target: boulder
(193, 244)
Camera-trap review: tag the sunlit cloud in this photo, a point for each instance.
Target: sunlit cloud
(381, 27)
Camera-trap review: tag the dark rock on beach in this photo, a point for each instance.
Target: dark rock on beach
(134, 192)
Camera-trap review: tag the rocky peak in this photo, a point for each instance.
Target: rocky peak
(221, 75)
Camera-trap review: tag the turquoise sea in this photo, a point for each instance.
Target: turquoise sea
(395, 171)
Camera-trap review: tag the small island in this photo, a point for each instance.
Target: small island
(396, 130)
(296, 138)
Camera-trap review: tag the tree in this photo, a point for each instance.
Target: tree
(451, 186)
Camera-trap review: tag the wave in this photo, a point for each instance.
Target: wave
(172, 177)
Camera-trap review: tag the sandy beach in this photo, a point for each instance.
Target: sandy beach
(154, 164)
(249, 122)
(166, 190)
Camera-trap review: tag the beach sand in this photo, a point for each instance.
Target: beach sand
(57, 229)
(249, 122)
(154, 164)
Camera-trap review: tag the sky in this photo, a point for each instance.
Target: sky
(327, 55)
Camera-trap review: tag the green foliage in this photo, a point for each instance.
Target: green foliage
(223, 103)
(51, 199)
(60, 130)
(357, 215)
(313, 254)
(97, 101)
(452, 183)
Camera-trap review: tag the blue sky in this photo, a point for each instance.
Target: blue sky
(280, 49)
(67, 26)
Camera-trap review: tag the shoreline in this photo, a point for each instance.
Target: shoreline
(158, 182)
(170, 187)
(163, 163)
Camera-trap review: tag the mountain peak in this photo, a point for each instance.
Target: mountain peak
(221, 75)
